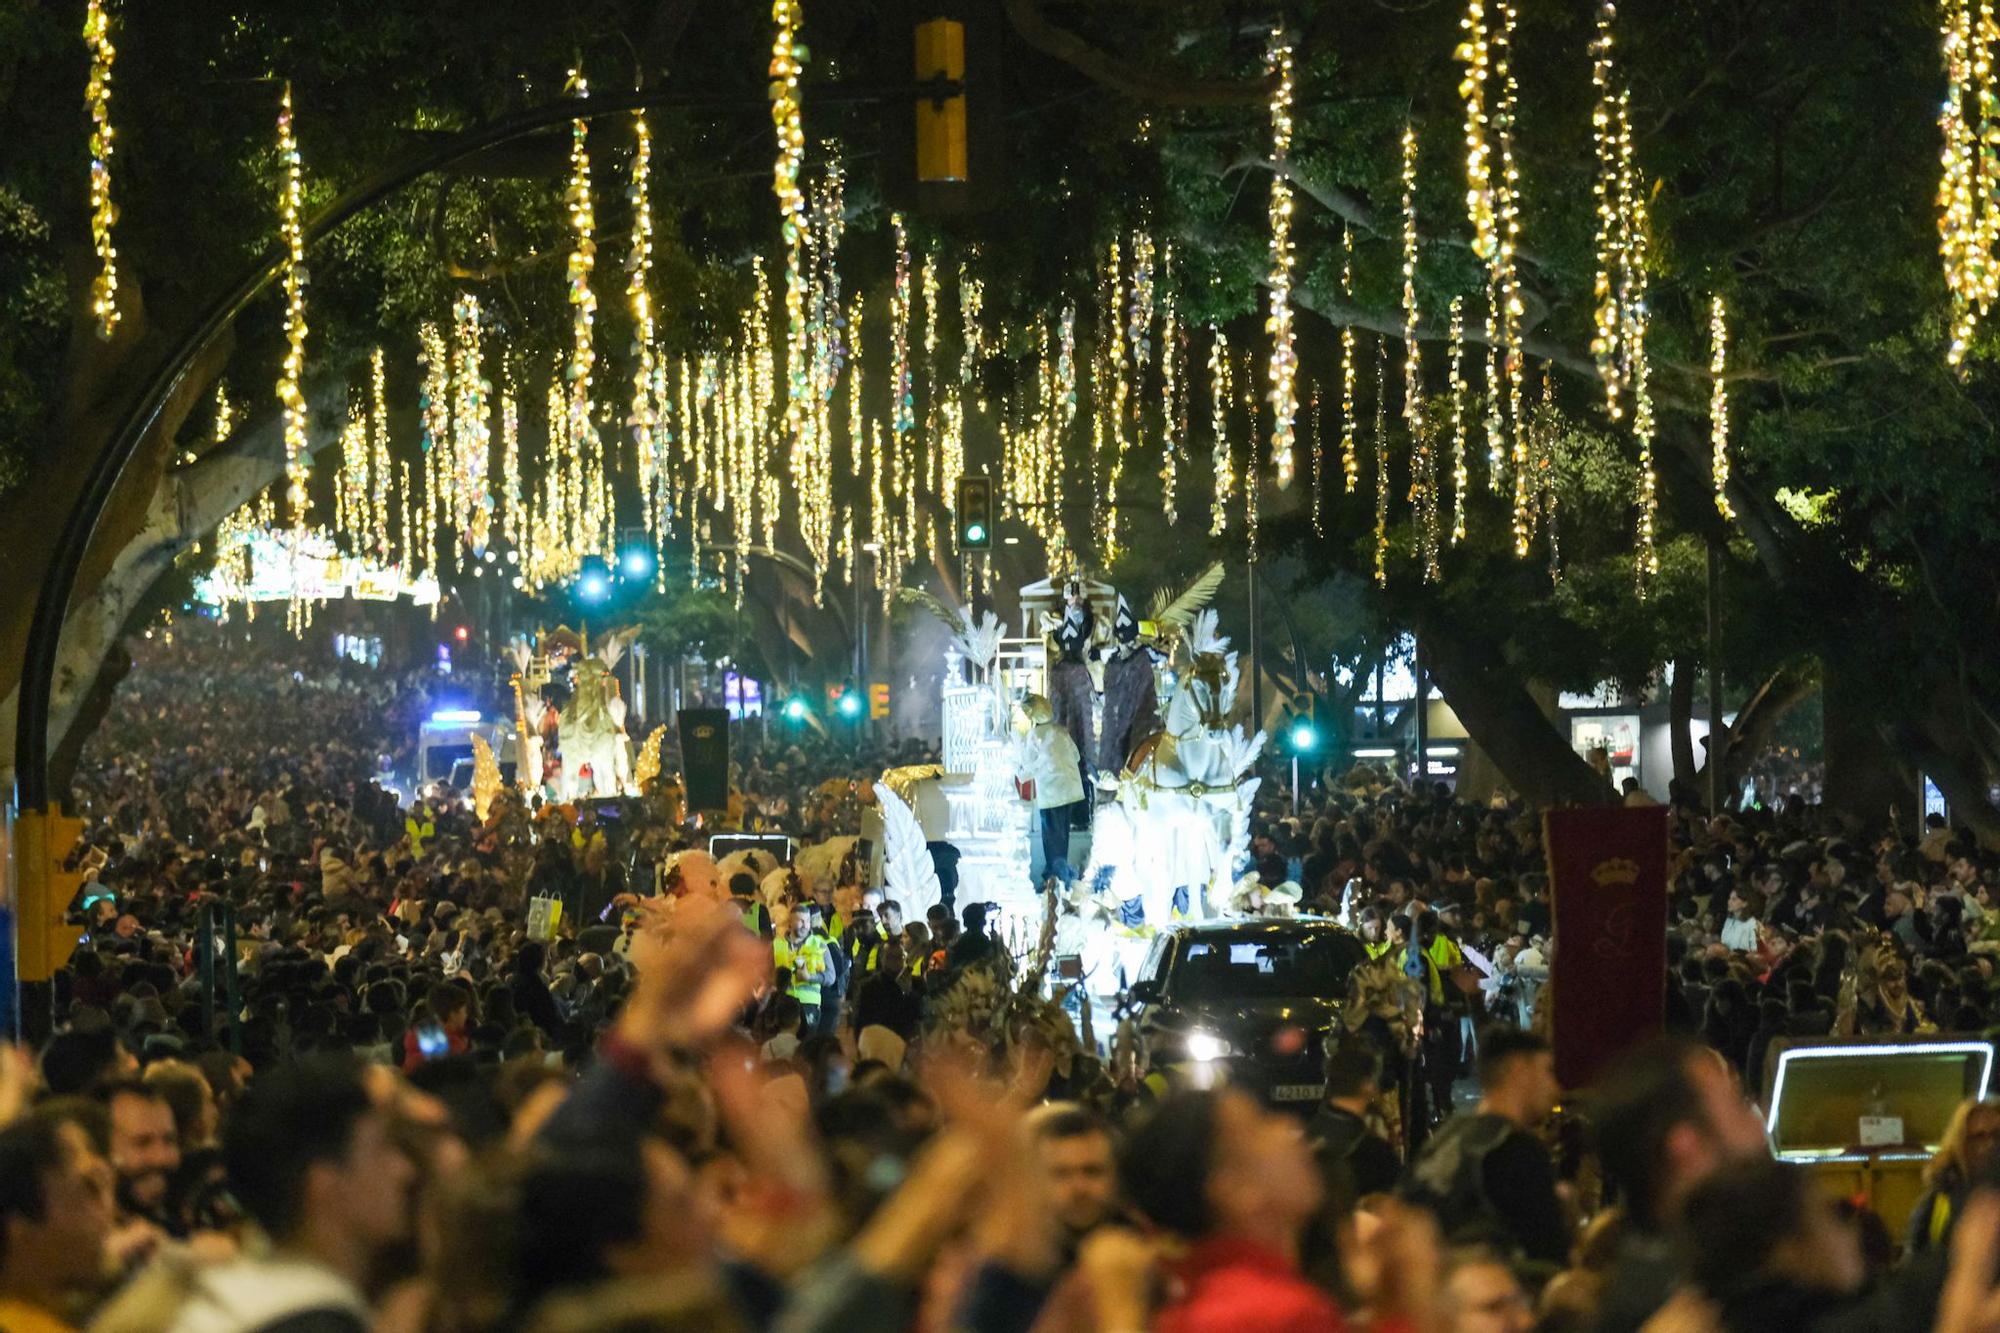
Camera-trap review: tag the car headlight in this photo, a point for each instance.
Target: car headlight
(1206, 1046)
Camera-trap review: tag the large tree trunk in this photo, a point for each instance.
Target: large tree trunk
(1502, 717)
(1758, 721)
(1865, 775)
(1680, 724)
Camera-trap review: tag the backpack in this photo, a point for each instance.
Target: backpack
(1450, 1176)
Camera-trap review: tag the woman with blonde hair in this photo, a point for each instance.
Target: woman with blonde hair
(1969, 1140)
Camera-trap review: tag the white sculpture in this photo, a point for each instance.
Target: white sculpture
(909, 874)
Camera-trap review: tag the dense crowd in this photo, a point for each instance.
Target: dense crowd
(410, 1106)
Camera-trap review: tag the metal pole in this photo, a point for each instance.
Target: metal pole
(1295, 782)
(1423, 716)
(1256, 656)
(1716, 739)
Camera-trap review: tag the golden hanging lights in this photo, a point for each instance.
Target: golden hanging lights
(645, 414)
(1218, 419)
(1475, 52)
(1718, 402)
(1460, 475)
(589, 523)
(1968, 198)
(1171, 390)
(1350, 459)
(291, 230)
(787, 62)
(1283, 375)
(1423, 454)
(1381, 462)
(1611, 137)
(103, 213)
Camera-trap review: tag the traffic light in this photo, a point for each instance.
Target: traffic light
(941, 150)
(43, 934)
(795, 709)
(878, 700)
(850, 705)
(975, 514)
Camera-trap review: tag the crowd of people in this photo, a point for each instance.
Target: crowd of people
(395, 1100)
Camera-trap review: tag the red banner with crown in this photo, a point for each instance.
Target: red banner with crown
(1608, 899)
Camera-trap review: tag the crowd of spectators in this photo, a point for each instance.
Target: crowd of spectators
(413, 1110)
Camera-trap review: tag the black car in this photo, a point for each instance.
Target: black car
(1256, 999)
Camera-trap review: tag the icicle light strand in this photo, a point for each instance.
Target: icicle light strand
(1283, 390)
(103, 213)
(298, 459)
(1718, 402)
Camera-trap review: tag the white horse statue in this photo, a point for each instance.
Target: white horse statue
(1180, 821)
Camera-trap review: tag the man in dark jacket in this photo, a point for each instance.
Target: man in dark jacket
(1486, 1172)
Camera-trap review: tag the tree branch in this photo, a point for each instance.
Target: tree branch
(1061, 44)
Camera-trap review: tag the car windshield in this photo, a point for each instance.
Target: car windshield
(1237, 967)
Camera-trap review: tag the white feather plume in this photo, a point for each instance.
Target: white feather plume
(1204, 634)
(535, 708)
(617, 709)
(1242, 751)
(906, 861)
(521, 653)
(981, 639)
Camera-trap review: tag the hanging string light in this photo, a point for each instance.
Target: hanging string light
(1614, 223)
(856, 412)
(1381, 462)
(1968, 210)
(471, 429)
(933, 433)
(1318, 469)
(1460, 474)
(103, 213)
(1503, 272)
(1218, 419)
(1633, 333)
(1350, 457)
(1253, 479)
(644, 416)
(1283, 375)
(1423, 453)
(1479, 195)
(1171, 387)
(350, 482)
(902, 392)
(512, 528)
(1112, 404)
(378, 451)
(298, 458)
(787, 63)
(1139, 326)
(1718, 402)
(812, 449)
(589, 525)
(1545, 468)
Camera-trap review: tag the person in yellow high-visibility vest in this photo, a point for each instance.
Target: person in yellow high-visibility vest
(802, 951)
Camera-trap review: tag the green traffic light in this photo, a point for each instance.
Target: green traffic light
(1304, 737)
(795, 709)
(975, 533)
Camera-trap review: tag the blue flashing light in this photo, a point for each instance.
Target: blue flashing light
(455, 715)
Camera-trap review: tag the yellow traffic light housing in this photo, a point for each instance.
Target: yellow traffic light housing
(941, 151)
(44, 937)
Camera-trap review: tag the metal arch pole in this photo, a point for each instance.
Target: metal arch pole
(80, 524)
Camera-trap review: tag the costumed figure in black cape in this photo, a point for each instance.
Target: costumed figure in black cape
(1070, 686)
(1131, 699)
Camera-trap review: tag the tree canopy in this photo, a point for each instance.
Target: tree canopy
(1788, 161)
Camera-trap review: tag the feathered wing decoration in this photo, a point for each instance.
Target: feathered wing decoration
(521, 653)
(981, 640)
(535, 709)
(953, 621)
(647, 766)
(615, 645)
(1242, 751)
(485, 777)
(1179, 611)
(1204, 634)
(906, 861)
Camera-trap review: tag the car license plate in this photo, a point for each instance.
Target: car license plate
(1297, 1092)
